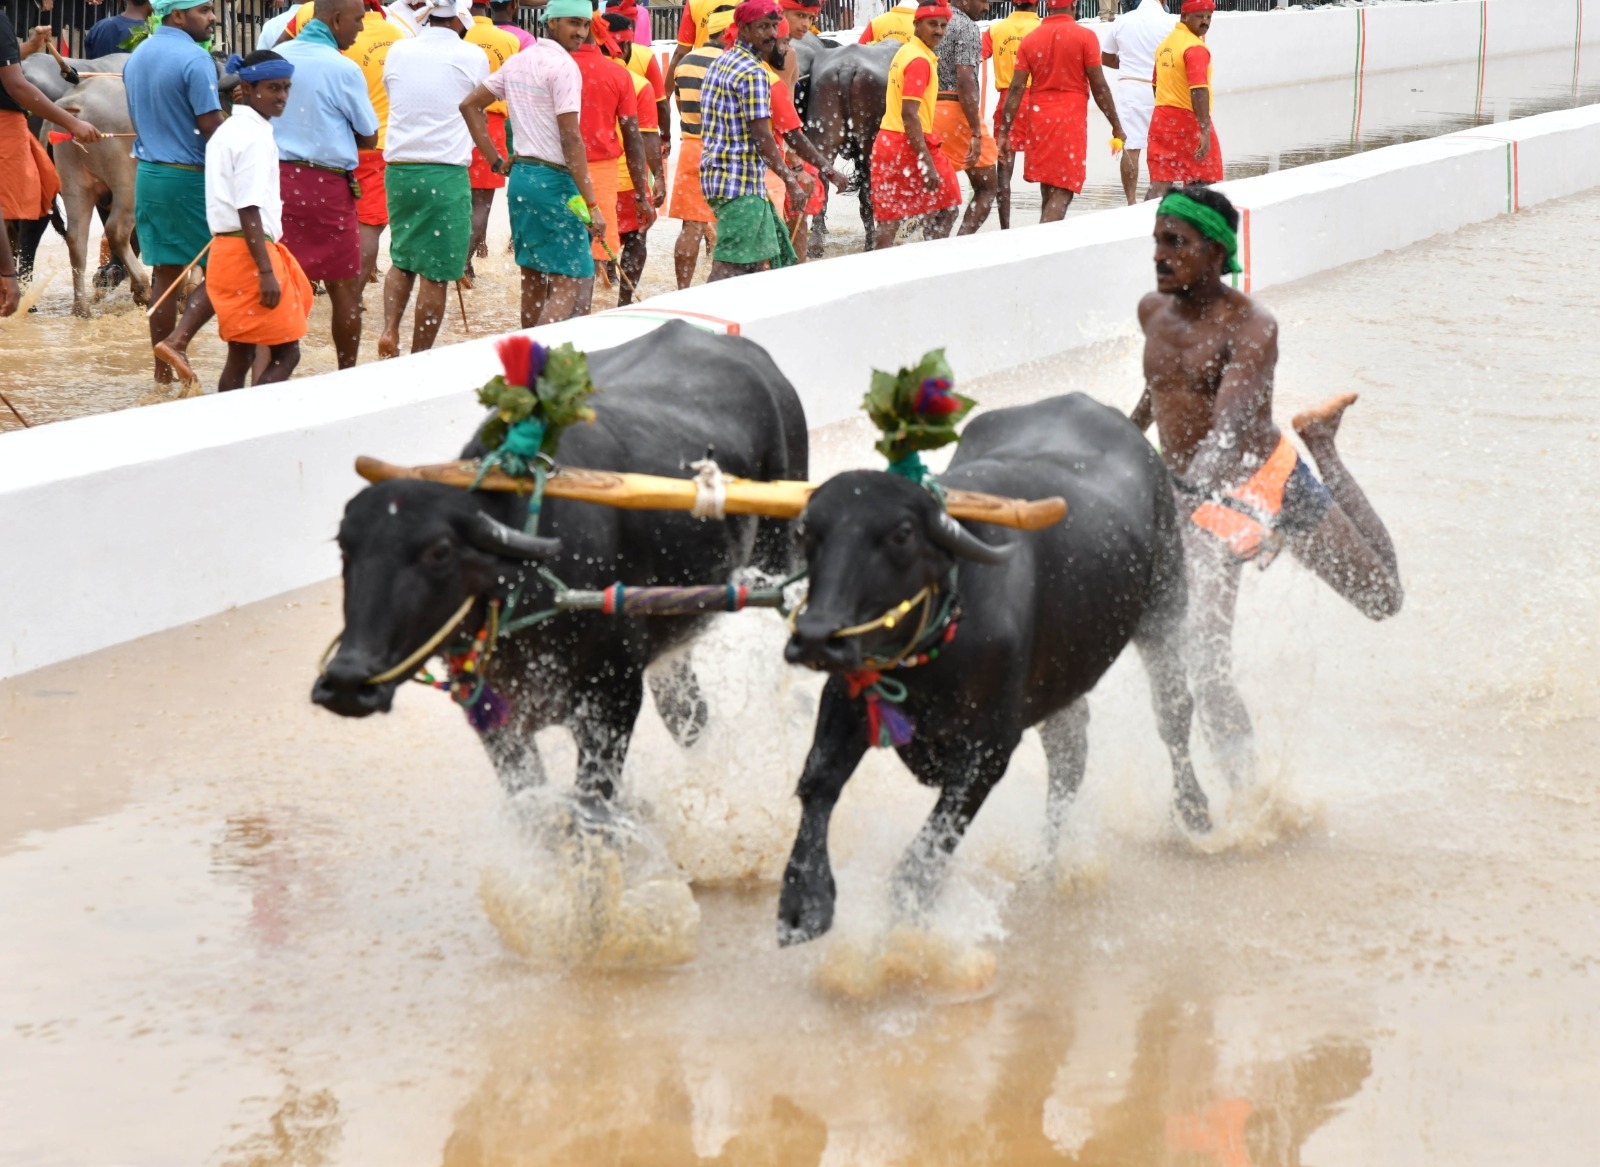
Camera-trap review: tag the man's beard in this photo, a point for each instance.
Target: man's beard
(778, 55)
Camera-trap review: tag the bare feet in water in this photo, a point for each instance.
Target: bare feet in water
(179, 361)
(1321, 424)
(388, 346)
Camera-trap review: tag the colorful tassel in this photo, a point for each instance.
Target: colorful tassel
(489, 711)
(522, 358)
(934, 397)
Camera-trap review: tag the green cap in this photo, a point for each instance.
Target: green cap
(582, 9)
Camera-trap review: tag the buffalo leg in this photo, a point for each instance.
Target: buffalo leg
(119, 232)
(1160, 647)
(805, 906)
(516, 760)
(79, 202)
(1065, 735)
(678, 699)
(921, 872)
(603, 727)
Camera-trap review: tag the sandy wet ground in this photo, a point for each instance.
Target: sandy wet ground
(54, 365)
(240, 931)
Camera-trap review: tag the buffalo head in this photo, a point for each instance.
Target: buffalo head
(872, 541)
(414, 553)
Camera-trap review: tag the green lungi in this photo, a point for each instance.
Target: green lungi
(430, 219)
(749, 231)
(169, 210)
(548, 237)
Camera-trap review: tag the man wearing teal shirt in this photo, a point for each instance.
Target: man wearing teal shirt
(329, 119)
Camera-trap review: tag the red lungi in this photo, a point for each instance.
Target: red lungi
(481, 177)
(897, 190)
(319, 221)
(1019, 124)
(372, 208)
(1174, 137)
(1058, 138)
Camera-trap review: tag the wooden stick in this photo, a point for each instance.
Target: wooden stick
(461, 299)
(782, 500)
(14, 412)
(174, 284)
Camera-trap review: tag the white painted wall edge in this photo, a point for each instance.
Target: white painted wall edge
(129, 523)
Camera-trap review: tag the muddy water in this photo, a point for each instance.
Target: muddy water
(239, 931)
(54, 365)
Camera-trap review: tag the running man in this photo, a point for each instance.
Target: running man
(543, 92)
(739, 145)
(429, 158)
(910, 177)
(958, 114)
(1183, 143)
(1209, 357)
(1001, 40)
(1058, 67)
(1130, 49)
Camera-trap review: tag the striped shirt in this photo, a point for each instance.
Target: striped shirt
(736, 93)
(686, 84)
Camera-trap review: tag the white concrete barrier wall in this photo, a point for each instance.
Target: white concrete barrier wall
(124, 524)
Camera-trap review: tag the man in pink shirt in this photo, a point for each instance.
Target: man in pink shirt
(504, 14)
(543, 92)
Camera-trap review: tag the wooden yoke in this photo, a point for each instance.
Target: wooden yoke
(650, 492)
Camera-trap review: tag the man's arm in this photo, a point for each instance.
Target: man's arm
(26, 94)
(256, 240)
(1201, 97)
(578, 164)
(1143, 413)
(638, 168)
(803, 146)
(911, 117)
(1244, 391)
(1110, 61)
(652, 158)
(772, 154)
(1102, 98)
(10, 297)
(472, 112)
(1019, 86)
(967, 91)
(207, 124)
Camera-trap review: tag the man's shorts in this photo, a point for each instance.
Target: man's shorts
(1136, 101)
(1281, 498)
(950, 123)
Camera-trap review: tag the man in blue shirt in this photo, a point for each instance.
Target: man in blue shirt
(172, 99)
(328, 119)
(107, 35)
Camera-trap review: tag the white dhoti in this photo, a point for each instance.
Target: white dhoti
(1136, 101)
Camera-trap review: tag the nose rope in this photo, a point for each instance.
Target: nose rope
(409, 665)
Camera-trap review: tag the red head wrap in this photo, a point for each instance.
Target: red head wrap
(602, 35)
(1198, 6)
(627, 8)
(801, 5)
(937, 10)
(753, 10)
(1057, 5)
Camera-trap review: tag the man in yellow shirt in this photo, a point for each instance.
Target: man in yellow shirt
(694, 29)
(1000, 41)
(1183, 146)
(371, 52)
(499, 46)
(910, 176)
(893, 25)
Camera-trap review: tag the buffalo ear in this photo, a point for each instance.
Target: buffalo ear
(956, 539)
(487, 533)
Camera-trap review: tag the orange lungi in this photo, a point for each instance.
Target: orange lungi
(688, 201)
(950, 123)
(28, 180)
(235, 291)
(603, 175)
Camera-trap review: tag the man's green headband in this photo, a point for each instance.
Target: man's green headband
(1210, 222)
(579, 8)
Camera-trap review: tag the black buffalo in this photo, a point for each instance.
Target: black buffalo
(414, 551)
(844, 107)
(1044, 615)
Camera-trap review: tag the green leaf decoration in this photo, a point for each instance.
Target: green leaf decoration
(563, 391)
(916, 409)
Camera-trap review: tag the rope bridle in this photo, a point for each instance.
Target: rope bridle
(408, 666)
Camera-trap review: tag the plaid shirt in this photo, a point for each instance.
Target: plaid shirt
(735, 92)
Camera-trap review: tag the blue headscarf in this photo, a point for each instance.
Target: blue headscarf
(260, 71)
(163, 8)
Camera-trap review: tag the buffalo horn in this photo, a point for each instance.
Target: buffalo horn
(959, 541)
(488, 533)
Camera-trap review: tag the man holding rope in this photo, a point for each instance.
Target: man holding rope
(173, 102)
(1210, 354)
(543, 92)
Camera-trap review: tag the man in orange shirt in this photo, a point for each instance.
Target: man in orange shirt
(909, 174)
(1058, 66)
(1183, 145)
(1001, 40)
(609, 122)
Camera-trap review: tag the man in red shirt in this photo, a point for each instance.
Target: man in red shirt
(609, 106)
(1058, 66)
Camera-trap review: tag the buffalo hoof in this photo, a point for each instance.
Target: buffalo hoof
(1194, 811)
(81, 310)
(803, 917)
(109, 276)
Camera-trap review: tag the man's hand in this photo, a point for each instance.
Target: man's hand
(83, 132)
(1002, 142)
(500, 166)
(10, 295)
(646, 209)
(1204, 147)
(930, 175)
(597, 223)
(659, 181)
(270, 292)
(840, 182)
(796, 193)
(38, 41)
(974, 148)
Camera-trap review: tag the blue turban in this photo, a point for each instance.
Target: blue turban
(163, 8)
(260, 71)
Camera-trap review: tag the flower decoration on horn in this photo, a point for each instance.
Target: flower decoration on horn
(915, 409)
(542, 391)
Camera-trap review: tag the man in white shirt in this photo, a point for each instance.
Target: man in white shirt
(427, 155)
(1130, 48)
(410, 16)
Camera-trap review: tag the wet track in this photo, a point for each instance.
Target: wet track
(58, 366)
(240, 931)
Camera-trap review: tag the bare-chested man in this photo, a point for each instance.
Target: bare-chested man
(1209, 357)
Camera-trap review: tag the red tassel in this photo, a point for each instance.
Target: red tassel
(514, 351)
